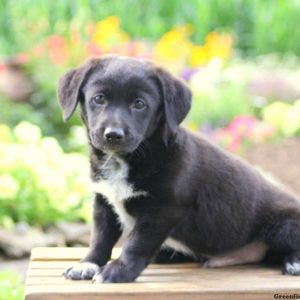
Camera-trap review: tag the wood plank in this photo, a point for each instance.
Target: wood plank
(81, 295)
(63, 253)
(141, 291)
(158, 282)
(61, 264)
(167, 281)
(51, 264)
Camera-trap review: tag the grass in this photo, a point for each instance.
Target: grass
(11, 287)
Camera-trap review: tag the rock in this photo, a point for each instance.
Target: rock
(18, 242)
(15, 84)
(75, 233)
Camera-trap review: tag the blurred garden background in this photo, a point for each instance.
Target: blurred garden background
(239, 57)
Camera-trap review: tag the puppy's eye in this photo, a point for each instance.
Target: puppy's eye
(99, 99)
(139, 104)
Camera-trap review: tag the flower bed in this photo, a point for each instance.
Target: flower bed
(234, 103)
(39, 183)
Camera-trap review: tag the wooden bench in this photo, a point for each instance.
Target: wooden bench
(158, 282)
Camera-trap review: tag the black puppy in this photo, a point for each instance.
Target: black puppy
(163, 186)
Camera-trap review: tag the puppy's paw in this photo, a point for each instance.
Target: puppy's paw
(291, 268)
(114, 272)
(292, 265)
(82, 271)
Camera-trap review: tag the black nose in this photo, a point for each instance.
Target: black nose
(114, 135)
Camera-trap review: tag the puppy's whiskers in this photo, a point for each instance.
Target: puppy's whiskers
(109, 156)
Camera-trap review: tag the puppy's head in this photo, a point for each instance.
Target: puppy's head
(124, 101)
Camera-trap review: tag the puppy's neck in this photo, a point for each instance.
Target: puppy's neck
(142, 162)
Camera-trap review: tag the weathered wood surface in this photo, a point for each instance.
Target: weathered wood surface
(158, 282)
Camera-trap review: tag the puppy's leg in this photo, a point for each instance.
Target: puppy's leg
(140, 247)
(170, 256)
(251, 253)
(106, 232)
(284, 237)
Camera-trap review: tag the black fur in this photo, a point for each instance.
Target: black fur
(197, 193)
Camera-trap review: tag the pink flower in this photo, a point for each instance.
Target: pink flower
(2, 67)
(242, 125)
(58, 50)
(92, 49)
(22, 57)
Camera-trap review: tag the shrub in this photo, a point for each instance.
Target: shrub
(39, 183)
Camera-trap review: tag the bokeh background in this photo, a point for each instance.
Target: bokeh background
(239, 57)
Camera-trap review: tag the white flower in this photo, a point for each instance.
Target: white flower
(78, 136)
(207, 78)
(26, 132)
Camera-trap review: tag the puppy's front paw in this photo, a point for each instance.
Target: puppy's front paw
(115, 272)
(82, 271)
(292, 265)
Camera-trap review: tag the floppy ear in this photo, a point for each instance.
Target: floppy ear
(176, 99)
(69, 86)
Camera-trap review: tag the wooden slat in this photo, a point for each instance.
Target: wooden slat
(183, 281)
(63, 253)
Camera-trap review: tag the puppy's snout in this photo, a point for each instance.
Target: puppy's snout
(114, 135)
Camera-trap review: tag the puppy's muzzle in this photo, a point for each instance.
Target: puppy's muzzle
(114, 136)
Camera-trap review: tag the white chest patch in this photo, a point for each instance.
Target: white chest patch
(117, 190)
(178, 246)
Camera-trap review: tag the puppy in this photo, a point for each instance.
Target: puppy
(164, 187)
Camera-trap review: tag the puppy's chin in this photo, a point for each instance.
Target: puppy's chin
(116, 149)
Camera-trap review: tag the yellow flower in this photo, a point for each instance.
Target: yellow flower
(216, 46)
(75, 163)
(7, 222)
(276, 113)
(80, 186)
(198, 56)
(192, 126)
(219, 45)
(291, 124)
(108, 33)
(174, 45)
(297, 107)
(53, 182)
(5, 134)
(9, 187)
(52, 152)
(283, 116)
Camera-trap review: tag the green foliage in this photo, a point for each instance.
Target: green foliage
(11, 287)
(256, 24)
(39, 183)
(12, 113)
(217, 107)
(45, 105)
(43, 109)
